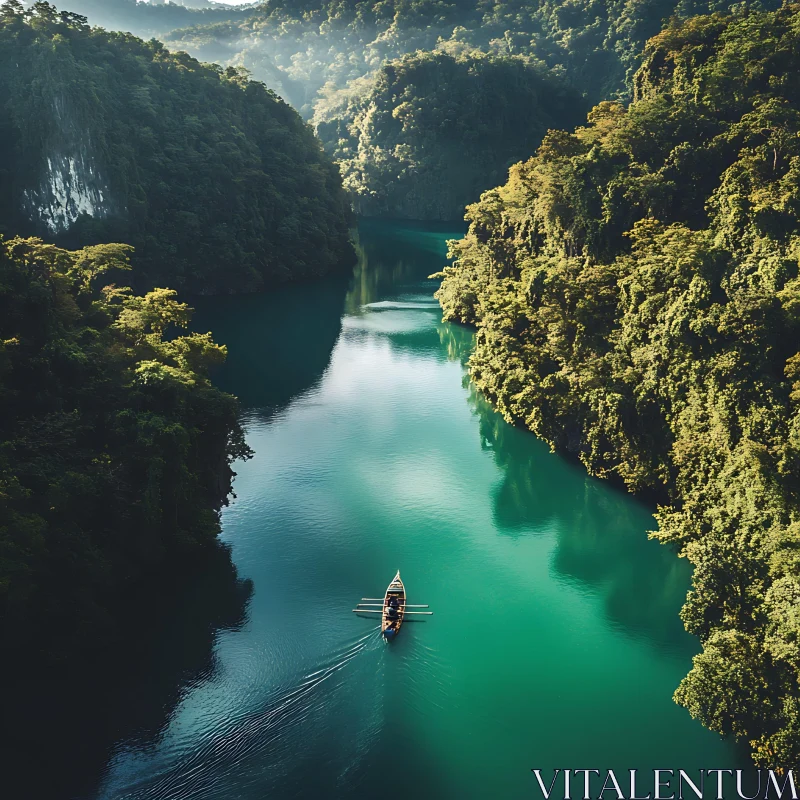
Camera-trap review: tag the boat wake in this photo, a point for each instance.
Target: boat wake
(232, 745)
(394, 305)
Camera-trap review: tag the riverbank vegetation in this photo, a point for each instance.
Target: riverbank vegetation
(636, 292)
(115, 449)
(217, 183)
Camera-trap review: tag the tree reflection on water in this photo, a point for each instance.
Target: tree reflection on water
(601, 531)
(61, 727)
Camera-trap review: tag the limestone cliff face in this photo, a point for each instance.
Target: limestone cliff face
(70, 187)
(70, 181)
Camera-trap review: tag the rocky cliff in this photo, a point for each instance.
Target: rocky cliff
(70, 181)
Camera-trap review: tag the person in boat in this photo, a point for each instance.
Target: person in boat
(391, 610)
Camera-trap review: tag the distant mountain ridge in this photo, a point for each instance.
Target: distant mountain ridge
(147, 18)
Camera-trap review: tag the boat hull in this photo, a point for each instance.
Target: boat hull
(394, 608)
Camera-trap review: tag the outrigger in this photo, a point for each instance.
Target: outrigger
(393, 608)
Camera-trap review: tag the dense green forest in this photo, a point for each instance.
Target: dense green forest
(338, 62)
(433, 131)
(115, 449)
(217, 183)
(636, 292)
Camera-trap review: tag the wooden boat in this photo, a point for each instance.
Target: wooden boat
(395, 598)
(394, 608)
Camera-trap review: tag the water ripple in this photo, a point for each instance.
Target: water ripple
(237, 738)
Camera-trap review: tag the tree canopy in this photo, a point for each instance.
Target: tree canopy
(635, 291)
(432, 131)
(115, 449)
(496, 73)
(150, 19)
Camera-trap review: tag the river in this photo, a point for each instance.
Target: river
(555, 639)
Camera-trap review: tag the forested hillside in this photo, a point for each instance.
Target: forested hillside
(636, 290)
(217, 182)
(338, 62)
(321, 42)
(115, 449)
(433, 131)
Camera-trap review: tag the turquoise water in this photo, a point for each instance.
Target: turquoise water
(555, 640)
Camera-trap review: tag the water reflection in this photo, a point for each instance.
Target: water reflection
(282, 340)
(456, 342)
(601, 532)
(378, 466)
(394, 262)
(279, 343)
(391, 258)
(59, 729)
